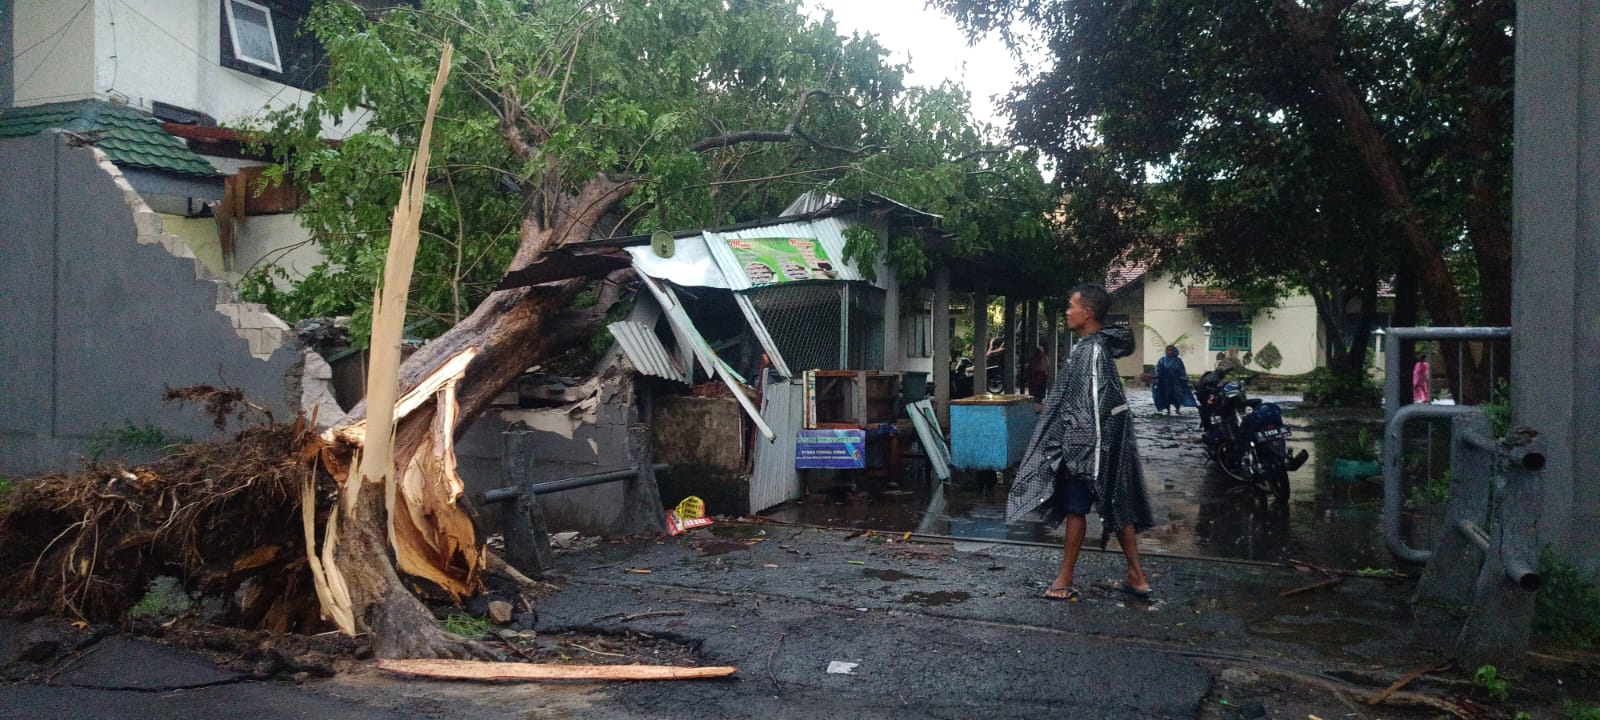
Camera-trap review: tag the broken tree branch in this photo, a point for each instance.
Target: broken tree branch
(476, 670)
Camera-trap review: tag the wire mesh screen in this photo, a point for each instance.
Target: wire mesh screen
(804, 321)
(866, 327)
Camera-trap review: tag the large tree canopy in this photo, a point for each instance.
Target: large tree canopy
(1290, 144)
(707, 112)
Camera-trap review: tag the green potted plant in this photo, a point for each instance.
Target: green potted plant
(1357, 458)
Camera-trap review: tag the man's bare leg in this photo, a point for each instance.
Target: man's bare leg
(1129, 540)
(1071, 545)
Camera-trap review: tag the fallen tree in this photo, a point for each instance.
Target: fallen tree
(605, 117)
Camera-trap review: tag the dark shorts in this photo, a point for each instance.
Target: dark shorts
(1073, 495)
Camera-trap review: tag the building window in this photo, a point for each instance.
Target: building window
(250, 27)
(1229, 334)
(918, 331)
(263, 38)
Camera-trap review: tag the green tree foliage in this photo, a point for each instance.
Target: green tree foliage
(1272, 146)
(707, 112)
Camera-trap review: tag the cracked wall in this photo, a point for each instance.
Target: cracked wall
(101, 310)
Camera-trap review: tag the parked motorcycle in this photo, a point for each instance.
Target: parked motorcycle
(962, 377)
(1245, 436)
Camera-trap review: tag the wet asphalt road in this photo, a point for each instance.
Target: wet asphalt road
(937, 629)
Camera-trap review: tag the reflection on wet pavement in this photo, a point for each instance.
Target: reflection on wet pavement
(1199, 510)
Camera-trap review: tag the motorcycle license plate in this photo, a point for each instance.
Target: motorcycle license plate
(1274, 434)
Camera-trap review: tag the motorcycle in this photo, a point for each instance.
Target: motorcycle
(962, 377)
(1245, 436)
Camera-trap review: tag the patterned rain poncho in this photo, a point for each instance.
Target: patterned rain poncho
(1086, 425)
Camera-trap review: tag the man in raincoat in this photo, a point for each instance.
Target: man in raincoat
(1082, 454)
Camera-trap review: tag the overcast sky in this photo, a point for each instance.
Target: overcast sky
(937, 49)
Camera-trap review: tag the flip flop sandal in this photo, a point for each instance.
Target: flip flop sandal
(1072, 594)
(1123, 587)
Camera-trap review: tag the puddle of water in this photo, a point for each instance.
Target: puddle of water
(721, 548)
(1199, 511)
(738, 530)
(931, 599)
(889, 575)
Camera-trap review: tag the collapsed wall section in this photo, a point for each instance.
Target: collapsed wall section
(100, 311)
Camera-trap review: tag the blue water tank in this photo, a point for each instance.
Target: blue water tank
(989, 432)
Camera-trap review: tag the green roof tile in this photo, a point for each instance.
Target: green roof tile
(129, 137)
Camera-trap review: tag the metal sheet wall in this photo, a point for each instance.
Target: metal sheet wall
(774, 479)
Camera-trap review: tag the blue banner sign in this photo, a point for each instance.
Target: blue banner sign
(830, 449)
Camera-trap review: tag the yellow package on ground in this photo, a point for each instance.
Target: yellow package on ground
(690, 514)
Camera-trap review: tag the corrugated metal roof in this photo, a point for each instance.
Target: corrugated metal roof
(645, 351)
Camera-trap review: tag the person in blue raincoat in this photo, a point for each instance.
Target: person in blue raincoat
(1171, 391)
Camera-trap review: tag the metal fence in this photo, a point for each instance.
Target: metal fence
(823, 326)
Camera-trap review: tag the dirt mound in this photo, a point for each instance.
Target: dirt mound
(224, 516)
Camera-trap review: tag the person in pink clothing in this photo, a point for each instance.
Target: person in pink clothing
(1419, 381)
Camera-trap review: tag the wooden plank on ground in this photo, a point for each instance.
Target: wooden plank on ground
(479, 670)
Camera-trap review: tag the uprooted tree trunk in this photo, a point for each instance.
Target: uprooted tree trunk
(507, 332)
(418, 527)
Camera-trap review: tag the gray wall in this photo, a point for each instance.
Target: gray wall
(597, 444)
(1556, 263)
(94, 324)
(8, 63)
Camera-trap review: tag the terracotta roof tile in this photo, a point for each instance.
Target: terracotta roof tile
(1199, 296)
(1125, 274)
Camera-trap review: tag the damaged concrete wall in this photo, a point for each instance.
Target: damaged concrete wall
(703, 439)
(102, 310)
(585, 437)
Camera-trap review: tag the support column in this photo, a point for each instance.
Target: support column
(1556, 247)
(1008, 359)
(527, 538)
(980, 342)
(941, 345)
(642, 510)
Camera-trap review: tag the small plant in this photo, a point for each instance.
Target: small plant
(1499, 409)
(1579, 712)
(164, 601)
(7, 484)
(1435, 491)
(1362, 447)
(1568, 604)
(467, 626)
(1324, 388)
(1489, 679)
(132, 437)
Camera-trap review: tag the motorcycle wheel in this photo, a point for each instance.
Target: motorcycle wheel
(996, 384)
(1234, 461)
(1276, 477)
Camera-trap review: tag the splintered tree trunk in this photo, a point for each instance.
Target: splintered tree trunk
(509, 332)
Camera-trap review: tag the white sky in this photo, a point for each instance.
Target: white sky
(936, 47)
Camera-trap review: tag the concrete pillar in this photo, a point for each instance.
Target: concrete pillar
(1008, 359)
(1556, 256)
(643, 512)
(527, 538)
(980, 341)
(941, 344)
